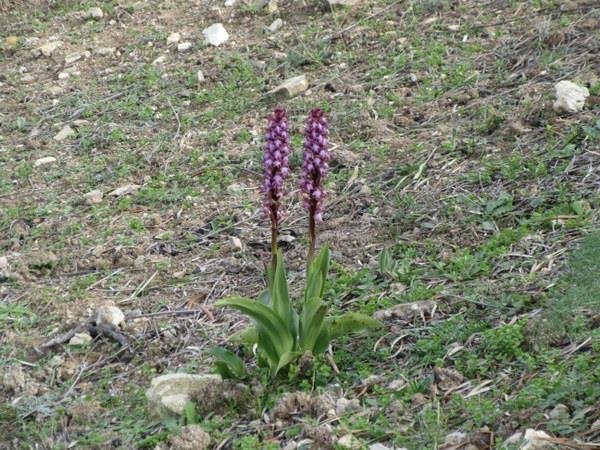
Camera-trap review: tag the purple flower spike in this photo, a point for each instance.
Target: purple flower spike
(314, 170)
(275, 162)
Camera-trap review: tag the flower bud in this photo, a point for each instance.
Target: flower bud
(315, 164)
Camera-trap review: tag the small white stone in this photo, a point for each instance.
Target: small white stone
(29, 42)
(94, 13)
(333, 3)
(287, 238)
(536, 440)
(513, 440)
(27, 79)
(104, 51)
(56, 90)
(378, 446)
(48, 49)
(72, 58)
(125, 190)
(343, 405)
(184, 46)
(200, 77)
(45, 161)
(364, 188)
(396, 385)
(291, 87)
(215, 35)
(179, 274)
(173, 38)
(65, 133)
(570, 98)
(230, 3)
(110, 315)
(80, 339)
(235, 188)
(63, 75)
(272, 6)
(3, 262)
(93, 197)
(236, 243)
(276, 25)
(159, 61)
(455, 438)
(560, 411)
(349, 441)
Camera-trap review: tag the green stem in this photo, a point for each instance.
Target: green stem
(312, 234)
(274, 236)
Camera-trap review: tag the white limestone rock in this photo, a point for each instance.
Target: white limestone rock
(570, 98)
(184, 47)
(173, 39)
(290, 87)
(64, 133)
(94, 13)
(45, 161)
(337, 3)
(215, 35)
(104, 51)
(80, 339)
(110, 315)
(48, 49)
(169, 393)
(125, 190)
(276, 25)
(93, 197)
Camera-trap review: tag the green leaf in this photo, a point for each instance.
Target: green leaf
(285, 360)
(322, 341)
(314, 285)
(279, 294)
(265, 297)
(350, 323)
(234, 364)
(270, 277)
(317, 275)
(247, 336)
(311, 323)
(269, 324)
(295, 320)
(223, 369)
(323, 267)
(268, 349)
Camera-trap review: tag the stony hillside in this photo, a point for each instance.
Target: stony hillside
(462, 209)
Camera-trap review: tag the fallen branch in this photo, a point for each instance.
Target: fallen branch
(95, 331)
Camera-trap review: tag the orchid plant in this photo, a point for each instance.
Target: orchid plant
(284, 329)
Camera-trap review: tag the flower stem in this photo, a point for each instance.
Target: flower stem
(312, 233)
(274, 236)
